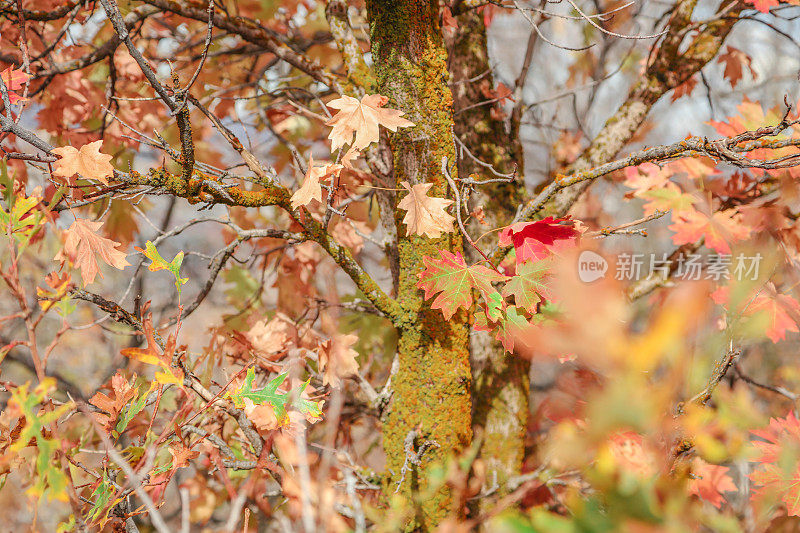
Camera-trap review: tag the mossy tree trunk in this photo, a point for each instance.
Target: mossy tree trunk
(431, 389)
(500, 394)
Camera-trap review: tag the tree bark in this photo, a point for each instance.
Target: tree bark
(431, 401)
(500, 394)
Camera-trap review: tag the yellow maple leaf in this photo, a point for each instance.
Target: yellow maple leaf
(87, 161)
(426, 215)
(362, 118)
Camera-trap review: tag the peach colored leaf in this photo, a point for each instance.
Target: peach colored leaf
(426, 215)
(763, 5)
(362, 118)
(82, 244)
(719, 229)
(89, 162)
(310, 188)
(338, 359)
(710, 481)
(778, 309)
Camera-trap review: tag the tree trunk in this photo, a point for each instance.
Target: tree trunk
(500, 395)
(431, 401)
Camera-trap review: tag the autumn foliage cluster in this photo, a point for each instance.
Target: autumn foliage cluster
(309, 265)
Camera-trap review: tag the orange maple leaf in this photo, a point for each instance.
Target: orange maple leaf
(718, 229)
(710, 481)
(310, 188)
(362, 118)
(81, 245)
(89, 162)
(426, 215)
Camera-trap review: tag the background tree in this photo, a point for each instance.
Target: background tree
(380, 226)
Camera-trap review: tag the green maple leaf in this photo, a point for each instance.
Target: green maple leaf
(527, 286)
(453, 280)
(507, 328)
(269, 394)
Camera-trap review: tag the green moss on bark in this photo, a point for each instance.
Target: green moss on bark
(431, 389)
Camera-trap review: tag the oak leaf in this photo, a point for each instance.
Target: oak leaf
(338, 359)
(362, 118)
(426, 215)
(87, 161)
(82, 244)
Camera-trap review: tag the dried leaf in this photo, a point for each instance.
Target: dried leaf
(89, 162)
(362, 118)
(81, 245)
(426, 215)
(311, 189)
(338, 359)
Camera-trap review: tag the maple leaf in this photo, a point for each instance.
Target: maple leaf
(533, 240)
(734, 59)
(310, 189)
(764, 5)
(670, 198)
(15, 80)
(454, 280)
(362, 118)
(778, 455)
(684, 89)
(89, 162)
(710, 481)
(775, 307)
(82, 244)
(718, 229)
(778, 309)
(509, 328)
(630, 453)
(338, 359)
(527, 284)
(425, 215)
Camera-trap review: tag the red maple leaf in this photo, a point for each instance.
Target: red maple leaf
(532, 240)
(781, 441)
